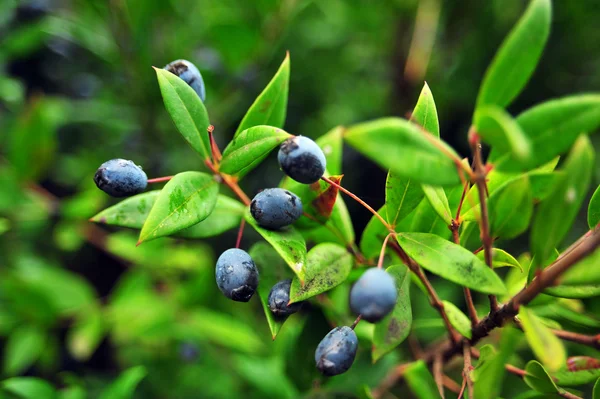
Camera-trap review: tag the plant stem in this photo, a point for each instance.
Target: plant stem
(382, 253)
(159, 179)
(214, 148)
(229, 182)
(438, 375)
(240, 233)
(468, 367)
(358, 319)
(468, 297)
(589, 340)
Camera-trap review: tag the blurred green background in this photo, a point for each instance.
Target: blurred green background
(80, 303)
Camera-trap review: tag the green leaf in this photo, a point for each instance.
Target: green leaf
(497, 128)
(124, 386)
(86, 334)
(249, 148)
(458, 319)
(29, 388)
(566, 378)
(287, 242)
(424, 219)
(337, 229)
(554, 216)
(420, 381)
(373, 235)
(396, 144)
(518, 56)
(501, 258)
(395, 327)
(552, 127)
(594, 209)
(596, 392)
(186, 110)
(327, 266)
(451, 261)
(332, 145)
(438, 200)
(538, 378)
(188, 198)
(271, 269)
(544, 344)
(226, 216)
(402, 196)
(23, 347)
(425, 112)
(270, 106)
(131, 212)
(574, 291)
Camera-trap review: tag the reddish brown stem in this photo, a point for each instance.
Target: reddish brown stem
(240, 233)
(358, 319)
(468, 368)
(462, 200)
(382, 253)
(159, 179)
(438, 375)
(229, 182)
(515, 370)
(214, 148)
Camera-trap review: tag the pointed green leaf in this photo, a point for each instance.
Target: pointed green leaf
(23, 347)
(399, 145)
(424, 219)
(226, 215)
(518, 56)
(188, 198)
(583, 273)
(567, 378)
(271, 269)
(596, 392)
(497, 128)
(327, 266)
(544, 344)
(186, 110)
(402, 196)
(332, 145)
(574, 291)
(458, 319)
(554, 216)
(438, 200)
(501, 258)
(249, 148)
(395, 327)
(420, 381)
(124, 386)
(131, 212)
(270, 106)
(594, 209)
(451, 262)
(538, 378)
(29, 388)
(373, 236)
(425, 112)
(287, 242)
(552, 127)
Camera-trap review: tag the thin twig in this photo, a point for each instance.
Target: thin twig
(382, 253)
(468, 368)
(358, 319)
(159, 179)
(451, 384)
(240, 233)
(214, 148)
(438, 375)
(229, 182)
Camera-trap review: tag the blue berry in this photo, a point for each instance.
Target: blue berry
(374, 295)
(336, 352)
(237, 275)
(120, 178)
(275, 208)
(189, 74)
(189, 351)
(302, 159)
(279, 298)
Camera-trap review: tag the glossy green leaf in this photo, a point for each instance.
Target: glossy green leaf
(501, 131)
(538, 378)
(596, 392)
(271, 269)
(373, 235)
(574, 291)
(226, 215)
(552, 127)
(23, 347)
(249, 148)
(451, 262)
(420, 381)
(337, 229)
(501, 258)
(402, 196)
(270, 106)
(125, 385)
(29, 388)
(327, 266)
(395, 327)
(545, 345)
(399, 145)
(438, 200)
(86, 334)
(186, 110)
(131, 212)
(425, 112)
(566, 378)
(593, 216)
(517, 57)
(287, 242)
(583, 273)
(424, 219)
(458, 319)
(188, 198)
(554, 216)
(332, 145)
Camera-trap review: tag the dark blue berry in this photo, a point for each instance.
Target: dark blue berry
(275, 208)
(189, 351)
(120, 178)
(237, 275)
(336, 352)
(189, 74)
(302, 159)
(279, 297)
(374, 295)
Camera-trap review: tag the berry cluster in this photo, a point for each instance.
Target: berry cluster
(372, 297)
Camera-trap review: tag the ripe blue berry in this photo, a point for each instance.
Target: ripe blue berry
(336, 352)
(302, 159)
(374, 295)
(120, 178)
(237, 275)
(190, 75)
(279, 298)
(274, 208)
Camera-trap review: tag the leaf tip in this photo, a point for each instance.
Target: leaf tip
(139, 242)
